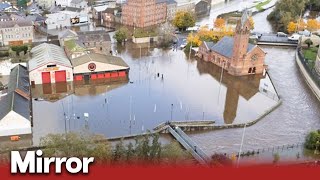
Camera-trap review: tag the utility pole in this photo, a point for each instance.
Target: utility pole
(244, 131)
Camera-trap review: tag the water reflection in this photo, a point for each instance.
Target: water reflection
(162, 78)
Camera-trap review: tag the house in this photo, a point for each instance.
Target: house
(15, 106)
(94, 66)
(49, 64)
(235, 54)
(97, 41)
(171, 9)
(46, 4)
(16, 32)
(64, 19)
(62, 3)
(202, 7)
(79, 4)
(97, 11)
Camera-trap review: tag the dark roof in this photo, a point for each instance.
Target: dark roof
(4, 5)
(9, 24)
(225, 46)
(35, 18)
(76, 1)
(167, 1)
(209, 44)
(93, 36)
(108, 59)
(17, 99)
(73, 9)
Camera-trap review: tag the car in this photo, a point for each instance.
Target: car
(183, 45)
(177, 32)
(294, 37)
(282, 34)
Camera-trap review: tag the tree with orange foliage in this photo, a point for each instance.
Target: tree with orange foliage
(225, 31)
(301, 25)
(194, 39)
(312, 24)
(219, 23)
(292, 27)
(251, 22)
(206, 35)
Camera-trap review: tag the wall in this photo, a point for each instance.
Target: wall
(143, 40)
(14, 124)
(15, 34)
(36, 75)
(100, 67)
(315, 89)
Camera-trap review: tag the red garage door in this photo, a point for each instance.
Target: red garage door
(46, 79)
(60, 76)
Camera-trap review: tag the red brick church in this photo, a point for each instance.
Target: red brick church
(235, 54)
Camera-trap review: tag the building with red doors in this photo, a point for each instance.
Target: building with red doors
(49, 64)
(99, 67)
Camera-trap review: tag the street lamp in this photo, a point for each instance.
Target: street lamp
(171, 111)
(244, 131)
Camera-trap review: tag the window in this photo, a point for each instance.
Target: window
(53, 65)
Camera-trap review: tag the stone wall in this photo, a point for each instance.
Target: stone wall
(313, 86)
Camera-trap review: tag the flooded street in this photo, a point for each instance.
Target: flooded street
(184, 90)
(166, 85)
(288, 124)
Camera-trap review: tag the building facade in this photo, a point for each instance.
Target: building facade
(46, 4)
(235, 54)
(62, 3)
(16, 32)
(49, 64)
(96, 41)
(144, 13)
(64, 19)
(203, 7)
(171, 9)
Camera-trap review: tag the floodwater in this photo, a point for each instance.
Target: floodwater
(288, 124)
(184, 90)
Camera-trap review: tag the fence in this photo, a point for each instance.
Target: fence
(309, 68)
(269, 149)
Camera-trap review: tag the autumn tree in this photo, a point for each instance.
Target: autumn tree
(292, 27)
(312, 24)
(219, 23)
(183, 20)
(301, 25)
(251, 22)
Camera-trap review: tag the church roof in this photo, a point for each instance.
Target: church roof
(225, 46)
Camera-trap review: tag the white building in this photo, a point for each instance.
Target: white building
(15, 106)
(63, 3)
(16, 32)
(46, 4)
(79, 4)
(49, 64)
(66, 19)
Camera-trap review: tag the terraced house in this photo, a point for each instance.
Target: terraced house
(144, 13)
(16, 32)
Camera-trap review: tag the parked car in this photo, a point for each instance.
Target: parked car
(282, 34)
(294, 37)
(177, 32)
(183, 45)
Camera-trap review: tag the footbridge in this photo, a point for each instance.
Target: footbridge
(190, 145)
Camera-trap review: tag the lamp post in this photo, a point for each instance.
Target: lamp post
(171, 111)
(244, 131)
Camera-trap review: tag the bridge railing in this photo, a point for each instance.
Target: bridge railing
(310, 68)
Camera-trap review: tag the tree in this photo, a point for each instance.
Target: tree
(292, 27)
(183, 20)
(173, 153)
(121, 35)
(75, 144)
(308, 42)
(312, 24)
(219, 23)
(276, 158)
(119, 152)
(194, 40)
(251, 22)
(312, 139)
(22, 3)
(301, 25)
(220, 160)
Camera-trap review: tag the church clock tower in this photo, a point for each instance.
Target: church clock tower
(241, 38)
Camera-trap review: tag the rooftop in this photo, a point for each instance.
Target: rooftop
(93, 36)
(10, 24)
(46, 53)
(17, 99)
(108, 59)
(225, 46)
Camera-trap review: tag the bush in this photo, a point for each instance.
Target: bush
(312, 141)
(220, 160)
(121, 35)
(19, 49)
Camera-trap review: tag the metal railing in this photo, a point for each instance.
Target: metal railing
(310, 68)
